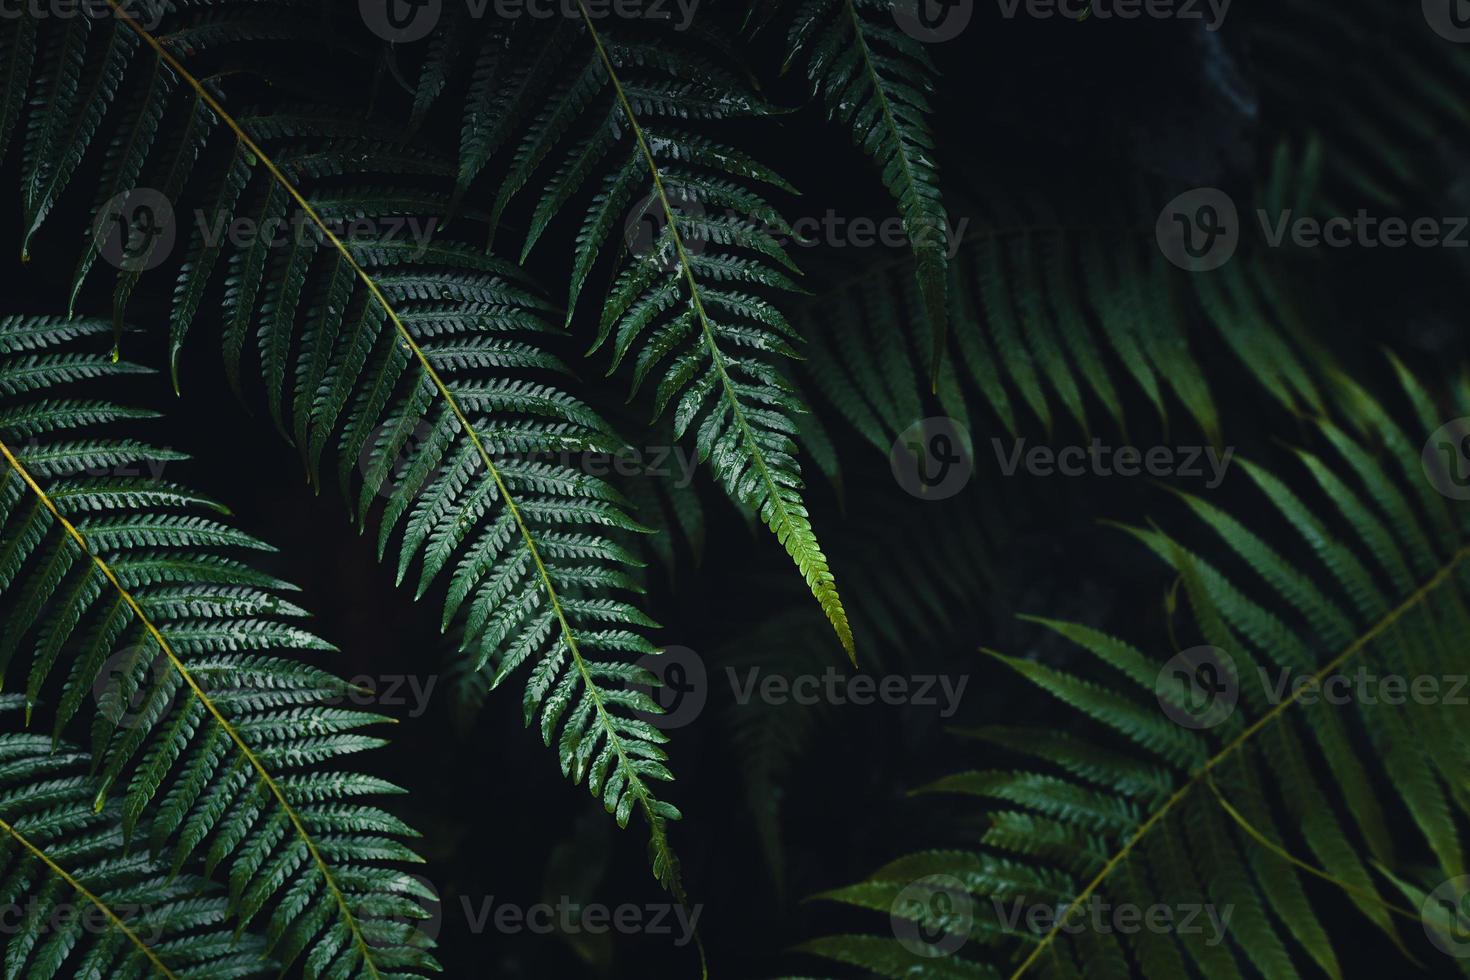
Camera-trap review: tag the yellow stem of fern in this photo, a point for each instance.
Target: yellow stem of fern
(1203, 772)
(82, 890)
(503, 491)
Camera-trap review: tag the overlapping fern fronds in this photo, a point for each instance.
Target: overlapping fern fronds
(420, 359)
(876, 81)
(97, 908)
(1238, 807)
(698, 256)
(211, 735)
(1043, 321)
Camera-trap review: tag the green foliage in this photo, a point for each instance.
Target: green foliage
(876, 81)
(1147, 811)
(696, 241)
(100, 909)
(214, 739)
(423, 362)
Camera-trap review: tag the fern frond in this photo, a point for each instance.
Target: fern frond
(876, 81)
(699, 248)
(206, 738)
(1187, 812)
(420, 361)
(94, 907)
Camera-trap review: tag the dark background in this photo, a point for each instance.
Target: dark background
(1024, 107)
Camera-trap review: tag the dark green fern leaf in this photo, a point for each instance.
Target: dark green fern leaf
(696, 245)
(93, 906)
(207, 738)
(1204, 797)
(419, 361)
(876, 81)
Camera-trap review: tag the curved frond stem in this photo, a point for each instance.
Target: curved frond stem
(173, 658)
(784, 519)
(86, 893)
(654, 821)
(1203, 773)
(1292, 859)
(911, 178)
